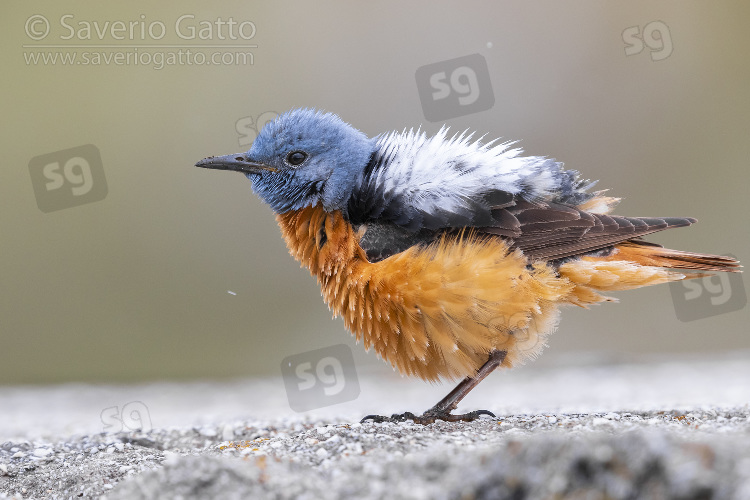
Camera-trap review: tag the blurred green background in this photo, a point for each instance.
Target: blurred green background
(137, 285)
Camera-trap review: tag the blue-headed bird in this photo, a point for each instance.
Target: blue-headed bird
(446, 255)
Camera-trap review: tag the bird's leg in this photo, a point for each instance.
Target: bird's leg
(442, 410)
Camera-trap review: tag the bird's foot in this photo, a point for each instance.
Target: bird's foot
(429, 417)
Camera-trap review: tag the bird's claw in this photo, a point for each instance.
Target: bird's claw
(429, 417)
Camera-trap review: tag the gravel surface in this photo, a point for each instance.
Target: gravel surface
(576, 431)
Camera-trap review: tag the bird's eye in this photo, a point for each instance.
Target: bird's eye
(296, 158)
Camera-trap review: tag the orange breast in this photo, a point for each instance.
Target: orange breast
(437, 311)
(433, 311)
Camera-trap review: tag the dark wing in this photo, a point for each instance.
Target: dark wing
(550, 231)
(380, 240)
(542, 230)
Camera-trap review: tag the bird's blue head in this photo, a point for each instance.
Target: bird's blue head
(302, 158)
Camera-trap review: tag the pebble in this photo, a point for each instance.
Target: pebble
(208, 432)
(327, 449)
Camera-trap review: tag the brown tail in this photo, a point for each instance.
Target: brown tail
(651, 254)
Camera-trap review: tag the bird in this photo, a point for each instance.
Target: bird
(447, 255)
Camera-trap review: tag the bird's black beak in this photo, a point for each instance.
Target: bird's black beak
(236, 162)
